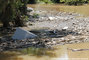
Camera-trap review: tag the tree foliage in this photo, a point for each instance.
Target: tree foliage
(12, 10)
(70, 2)
(74, 2)
(39, 1)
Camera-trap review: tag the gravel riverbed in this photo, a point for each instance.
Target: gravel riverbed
(54, 29)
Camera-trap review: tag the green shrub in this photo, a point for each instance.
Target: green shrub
(35, 15)
(69, 2)
(46, 1)
(74, 2)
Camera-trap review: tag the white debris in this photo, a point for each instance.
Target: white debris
(65, 28)
(30, 9)
(51, 18)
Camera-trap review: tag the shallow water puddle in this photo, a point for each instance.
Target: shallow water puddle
(58, 53)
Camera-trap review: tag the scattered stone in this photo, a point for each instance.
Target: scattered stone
(65, 23)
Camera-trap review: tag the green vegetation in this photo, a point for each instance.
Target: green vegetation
(69, 2)
(13, 11)
(35, 15)
(74, 2)
(39, 1)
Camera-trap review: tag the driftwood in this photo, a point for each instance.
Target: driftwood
(74, 50)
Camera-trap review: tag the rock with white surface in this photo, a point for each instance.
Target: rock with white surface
(51, 18)
(65, 28)
(21, 34)
(29, 9)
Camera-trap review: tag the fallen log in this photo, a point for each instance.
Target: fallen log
(74, 50)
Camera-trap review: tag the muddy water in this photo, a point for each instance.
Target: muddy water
(59, 53)
(83, 9)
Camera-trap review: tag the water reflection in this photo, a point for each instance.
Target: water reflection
(34, 54)
(0, 34)
(58, 53)
(9, 56)
(39, 52)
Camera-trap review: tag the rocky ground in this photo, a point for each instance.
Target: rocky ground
(52, 28)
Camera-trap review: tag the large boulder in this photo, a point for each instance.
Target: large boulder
(23, 34)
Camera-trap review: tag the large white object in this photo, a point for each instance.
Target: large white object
(22, 34)
(65, 28)
(29, 9)
(51, 18)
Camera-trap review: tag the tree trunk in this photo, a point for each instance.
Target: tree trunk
(6, 24)
(19, 22)
(32, 1)
(6, 15)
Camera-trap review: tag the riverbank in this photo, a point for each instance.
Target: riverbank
(52, 29)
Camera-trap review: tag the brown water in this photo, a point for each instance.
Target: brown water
(59, 53)
(83, 9)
